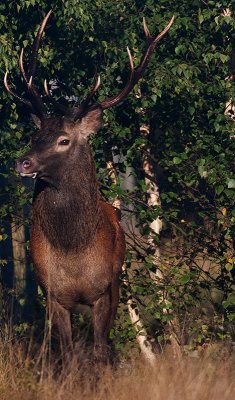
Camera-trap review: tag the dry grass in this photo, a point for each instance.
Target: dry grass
(24, 376)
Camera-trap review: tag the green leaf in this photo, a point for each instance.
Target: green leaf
(202, 172)
(200, 18)
(230, 301)
(185, 278)
(229, 267)
(191, 110)
(219, 189)
(231, 184)
(177, 160)
(224, 58)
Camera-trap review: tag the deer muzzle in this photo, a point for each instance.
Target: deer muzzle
(25, 167)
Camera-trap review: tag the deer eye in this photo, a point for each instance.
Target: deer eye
(64, 142)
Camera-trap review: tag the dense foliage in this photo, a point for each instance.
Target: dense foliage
(181, 102)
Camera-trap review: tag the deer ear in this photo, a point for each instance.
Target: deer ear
(91, 122)
(36, 121)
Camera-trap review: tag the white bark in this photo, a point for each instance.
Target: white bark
(156, 226)
(133, 309)
(141, 336)
(229, 105)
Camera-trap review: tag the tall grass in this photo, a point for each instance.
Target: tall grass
(26, 373)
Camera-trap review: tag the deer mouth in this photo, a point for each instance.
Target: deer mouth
(29, 175)
(26, 168)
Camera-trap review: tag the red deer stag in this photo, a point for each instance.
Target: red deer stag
(77, 243)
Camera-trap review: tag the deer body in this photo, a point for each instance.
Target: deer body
(77, 243)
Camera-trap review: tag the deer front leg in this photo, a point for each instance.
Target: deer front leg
(61, 319)
(102, 314)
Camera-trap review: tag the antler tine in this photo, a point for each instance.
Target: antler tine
(14, 94)
(77, 112)
(150, 48)
(137, 73)
(21, 65)
(129, 85)
(30, 82)
(59, 107)
(130, 59)
(146, 31)
(161, 34)
(97, 84)
(46, 89)
(95, 87)
(36, 44)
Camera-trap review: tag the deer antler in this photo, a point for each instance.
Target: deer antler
(136, 74)
(35, 103)
(14, 94)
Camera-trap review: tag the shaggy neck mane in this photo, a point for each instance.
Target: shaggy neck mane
(69, 215)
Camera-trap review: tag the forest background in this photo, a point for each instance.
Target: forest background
(166, 155)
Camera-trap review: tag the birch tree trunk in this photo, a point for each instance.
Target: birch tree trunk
(130, 227)
(230, 111)
(156, 227)
(229, 106)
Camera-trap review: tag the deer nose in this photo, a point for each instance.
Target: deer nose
(23, 166)
(26, 164)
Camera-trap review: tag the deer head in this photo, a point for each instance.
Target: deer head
(60, 137)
